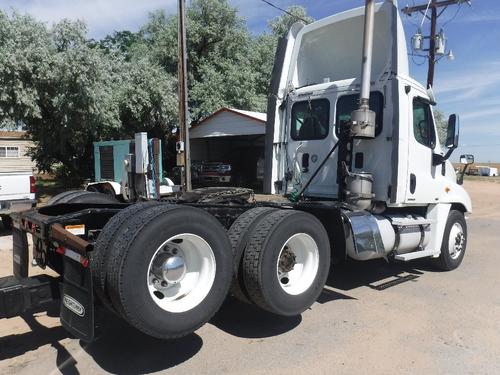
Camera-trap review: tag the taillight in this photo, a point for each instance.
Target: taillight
(32, 185)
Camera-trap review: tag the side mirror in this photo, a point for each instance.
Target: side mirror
(452, 132)
(451, 143)
(466, 159)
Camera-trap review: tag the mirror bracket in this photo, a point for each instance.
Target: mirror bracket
(438, 159)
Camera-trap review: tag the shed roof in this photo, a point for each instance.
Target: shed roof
(12, 134)
(227, 122)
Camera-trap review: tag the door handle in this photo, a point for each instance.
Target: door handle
(413, 183)
(305, 163)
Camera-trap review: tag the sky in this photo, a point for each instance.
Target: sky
(468, 85)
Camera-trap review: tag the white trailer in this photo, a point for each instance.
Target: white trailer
(351, 141)
(487, 171)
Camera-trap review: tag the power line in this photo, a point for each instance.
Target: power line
(454, 16)
(483, 145)
(285, 11)
(433, 5)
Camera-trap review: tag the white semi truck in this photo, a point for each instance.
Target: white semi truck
(355, 151)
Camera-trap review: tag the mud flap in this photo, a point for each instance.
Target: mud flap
(20, 253)
(77, 300)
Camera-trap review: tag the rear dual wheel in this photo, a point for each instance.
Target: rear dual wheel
(168, 269)
(239, 234)
(286, 262)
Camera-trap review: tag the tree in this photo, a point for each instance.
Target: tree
(280, 25)
(147, 99)
(68, 91)
(220, 68)
(77, 102)
(25, 50)
(263, 49)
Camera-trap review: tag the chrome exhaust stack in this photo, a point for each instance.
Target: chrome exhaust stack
(363, 119)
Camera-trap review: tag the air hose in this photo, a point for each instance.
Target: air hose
(294, 197)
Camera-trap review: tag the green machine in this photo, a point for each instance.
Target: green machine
(130, 169)
(109, 157)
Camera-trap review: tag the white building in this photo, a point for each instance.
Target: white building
(231, 136)
(14, 147)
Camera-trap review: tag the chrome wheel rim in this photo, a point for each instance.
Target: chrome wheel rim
(181, 273)
(456, 241)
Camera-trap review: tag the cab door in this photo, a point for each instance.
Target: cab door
(421, 185)
(310, 138)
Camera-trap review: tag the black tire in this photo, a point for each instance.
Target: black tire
(57, 198)
(239, 234)
(102, 248)
(81, 196)
(446, 261)
(261, 257)
(135, 247)
(7, 222)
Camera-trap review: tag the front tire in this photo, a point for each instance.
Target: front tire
(454, 242)
(286, 262)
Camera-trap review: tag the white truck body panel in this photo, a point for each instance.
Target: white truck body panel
(15, 192)
(322, 61)
(321, 57)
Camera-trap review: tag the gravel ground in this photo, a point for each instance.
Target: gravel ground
(437, 323)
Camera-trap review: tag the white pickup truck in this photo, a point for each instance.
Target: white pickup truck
(17, 193)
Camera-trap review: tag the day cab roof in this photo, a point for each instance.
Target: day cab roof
(328, 52)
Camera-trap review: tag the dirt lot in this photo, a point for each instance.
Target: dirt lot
(447, 323)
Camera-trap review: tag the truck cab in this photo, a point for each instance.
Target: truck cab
(319, 88)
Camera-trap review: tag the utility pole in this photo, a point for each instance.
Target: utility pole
(183, 154)
(433, 5)
(432, 46)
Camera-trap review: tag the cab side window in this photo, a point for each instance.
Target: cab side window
(348, 103)
(310, 119)
(423, 127)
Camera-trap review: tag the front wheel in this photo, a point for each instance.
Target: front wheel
(454, 242)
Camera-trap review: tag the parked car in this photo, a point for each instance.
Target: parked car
(214, 173)
(17, 193)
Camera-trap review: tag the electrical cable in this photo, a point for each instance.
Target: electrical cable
(454, 16)
(483, 145)
(285, 11)
(415, 62)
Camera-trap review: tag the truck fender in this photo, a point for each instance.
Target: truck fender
(438, 213)
(105, 187)
(457, 195)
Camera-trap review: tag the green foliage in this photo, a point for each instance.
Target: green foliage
(68, 91)
(222, 62)
(280, 25)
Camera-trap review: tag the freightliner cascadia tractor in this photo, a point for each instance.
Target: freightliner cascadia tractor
(352, 144)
